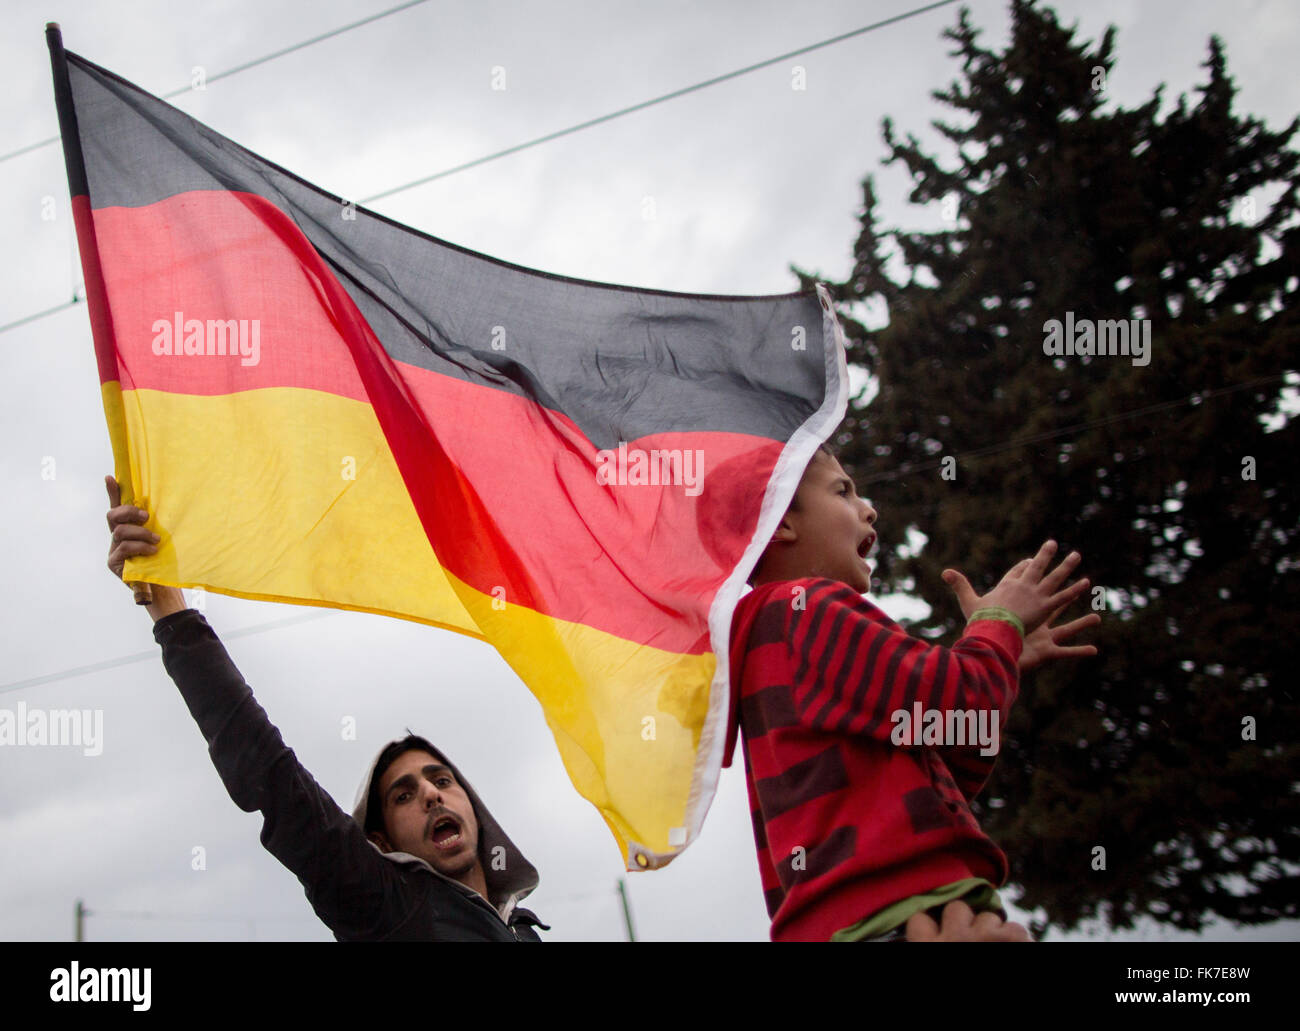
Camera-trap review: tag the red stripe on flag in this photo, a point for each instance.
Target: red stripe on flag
(502, 485)
(101, 326)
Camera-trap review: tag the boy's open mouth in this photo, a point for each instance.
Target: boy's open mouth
(866, 544)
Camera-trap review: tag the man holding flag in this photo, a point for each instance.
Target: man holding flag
(420, 859)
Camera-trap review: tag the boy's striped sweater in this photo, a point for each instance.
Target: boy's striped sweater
(845, 821)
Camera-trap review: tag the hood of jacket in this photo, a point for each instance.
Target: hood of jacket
(509, 876)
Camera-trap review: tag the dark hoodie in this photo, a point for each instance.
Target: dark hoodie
(360, 893)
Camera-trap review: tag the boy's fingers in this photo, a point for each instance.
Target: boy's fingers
(1053, 580)
(114, 492)
(1052, 619)
(1069, 594)
(966, 596)
(1038, 565)
(1066, 630)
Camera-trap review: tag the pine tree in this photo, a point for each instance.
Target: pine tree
(1159, 778)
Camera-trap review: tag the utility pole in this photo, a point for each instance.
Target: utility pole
(81, 921)
(627, 909)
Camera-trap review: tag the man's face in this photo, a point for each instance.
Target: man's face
(427, 813)
(831, 531)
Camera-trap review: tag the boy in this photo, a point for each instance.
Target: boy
(860, 829)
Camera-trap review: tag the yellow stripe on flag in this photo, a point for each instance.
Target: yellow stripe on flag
(302, 473)
(272, 466)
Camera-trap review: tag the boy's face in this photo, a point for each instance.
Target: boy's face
(428, 814)
(830, 531)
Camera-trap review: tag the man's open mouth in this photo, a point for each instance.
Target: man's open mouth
(445, 832)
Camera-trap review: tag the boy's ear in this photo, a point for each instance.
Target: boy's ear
(784, 531)
(380, 841)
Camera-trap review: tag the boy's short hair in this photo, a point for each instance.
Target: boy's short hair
(822, 449)
(719, 520)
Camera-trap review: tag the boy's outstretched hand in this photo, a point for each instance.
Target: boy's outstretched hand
(1045, 643)
(1028, 590)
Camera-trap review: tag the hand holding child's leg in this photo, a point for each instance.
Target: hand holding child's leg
(960, 924)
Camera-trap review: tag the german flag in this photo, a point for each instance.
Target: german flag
(321, 406)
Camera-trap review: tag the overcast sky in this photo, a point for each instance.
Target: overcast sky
(747, 177)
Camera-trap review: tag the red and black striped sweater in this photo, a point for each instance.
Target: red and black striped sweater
(845, 821)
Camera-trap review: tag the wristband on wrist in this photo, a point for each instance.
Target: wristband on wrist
(999, 613)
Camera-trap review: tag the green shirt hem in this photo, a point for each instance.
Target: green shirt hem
(976, 892)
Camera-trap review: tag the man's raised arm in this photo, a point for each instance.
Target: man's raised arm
(349, 884)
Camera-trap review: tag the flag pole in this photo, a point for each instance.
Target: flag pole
(101, 325)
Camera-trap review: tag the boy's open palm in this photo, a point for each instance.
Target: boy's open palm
(1029, 589)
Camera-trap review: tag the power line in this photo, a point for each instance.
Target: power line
(1038, 438)
(125, 660)
(40, 315)
(659, 100)
(83, 911)
(194, 918)
(546, 900)
(244, 67)
(573, 128)
(252, 921)
(298, 46)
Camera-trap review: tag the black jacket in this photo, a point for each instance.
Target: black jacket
(360, 893)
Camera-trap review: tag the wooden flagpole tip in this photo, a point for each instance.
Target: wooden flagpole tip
(52, 25)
